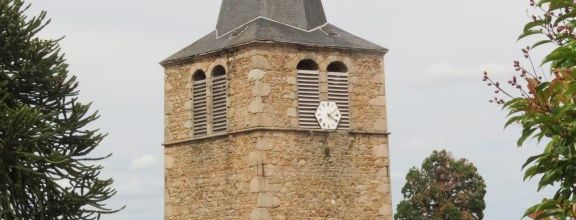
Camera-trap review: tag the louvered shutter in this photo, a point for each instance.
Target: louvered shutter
(308, 98)
(200, 115)
(219, 104)
(338, 92)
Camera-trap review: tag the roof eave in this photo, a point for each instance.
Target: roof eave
(383, 51)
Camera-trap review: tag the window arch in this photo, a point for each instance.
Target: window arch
(219, 100)
(308, 93)
(338, 91)
(338, 67)
(199, 104)
(307, 65)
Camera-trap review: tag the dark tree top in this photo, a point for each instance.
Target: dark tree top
(296, 22)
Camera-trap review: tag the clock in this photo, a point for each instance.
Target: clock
(328, 115)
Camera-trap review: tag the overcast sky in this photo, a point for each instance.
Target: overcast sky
(436, 99)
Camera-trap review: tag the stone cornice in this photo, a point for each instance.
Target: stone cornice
(264, 129)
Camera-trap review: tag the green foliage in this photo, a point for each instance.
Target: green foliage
(45, 170)
(444, 188)
(546, 108)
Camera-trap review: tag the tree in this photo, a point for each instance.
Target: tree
(45, 170)
(444, 188)
(543, 103)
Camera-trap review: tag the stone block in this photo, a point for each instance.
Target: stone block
(168, 87)
(361, 188)
(258, 185)
(168, 108)
(386, 210)
(291, 95)
(353, 79)
(291, 80)
(384, 188)
(279, 217)
(168, 162)
(264, 143)
(378, 78)
(269, 170)
(168, 211)
(323, 78)
(261, 89)
(378, 101)
(379, 125)
(382, 173)
(259, 62)
(262, 120)
(256, 106)
(256, 74)
(255, 157)
(188, 124)
(260, 214)
(292, 112)
(294, 122)
(188, 105)
(380, 151)
(265, 200)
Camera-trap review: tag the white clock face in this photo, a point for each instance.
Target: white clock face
(328, 115)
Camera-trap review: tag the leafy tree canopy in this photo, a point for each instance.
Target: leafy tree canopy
(443, 188)
(45, 168)
(543, 102)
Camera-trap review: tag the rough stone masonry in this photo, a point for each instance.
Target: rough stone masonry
(265, 166)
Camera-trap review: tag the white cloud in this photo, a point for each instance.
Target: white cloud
(143, 162)
(445, 74)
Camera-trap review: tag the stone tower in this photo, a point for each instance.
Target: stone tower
(276, 114)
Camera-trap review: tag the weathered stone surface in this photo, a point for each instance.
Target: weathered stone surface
(256, 106)
(218, 177)
(258, 185)
(168, 162)
(255, 157)
(256, 74)
(378, 78)
(380, 151)
(292, 112)
(382, 173)
(261, 89)
(378, 101)
(379, 125)
(168, 87)
(188, 124)
(386, 210)
(188, 105)
(265, 200)
(260, 214)
(168, 108)
(259, 62)
(384, 188)
(264, 143)
(262, 120)
(291, 80)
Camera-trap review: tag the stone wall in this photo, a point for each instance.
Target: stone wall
(267, 168)
(279, 175)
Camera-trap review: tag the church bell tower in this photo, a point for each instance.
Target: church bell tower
(276, 114)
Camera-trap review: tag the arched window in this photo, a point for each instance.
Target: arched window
(219, 100)
(308, 93)
(199, 105)
(338, 91)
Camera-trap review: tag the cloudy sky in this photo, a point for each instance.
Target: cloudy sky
(438, 50)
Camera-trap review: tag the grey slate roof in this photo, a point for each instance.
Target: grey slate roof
(303, 14)
(300, 22)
